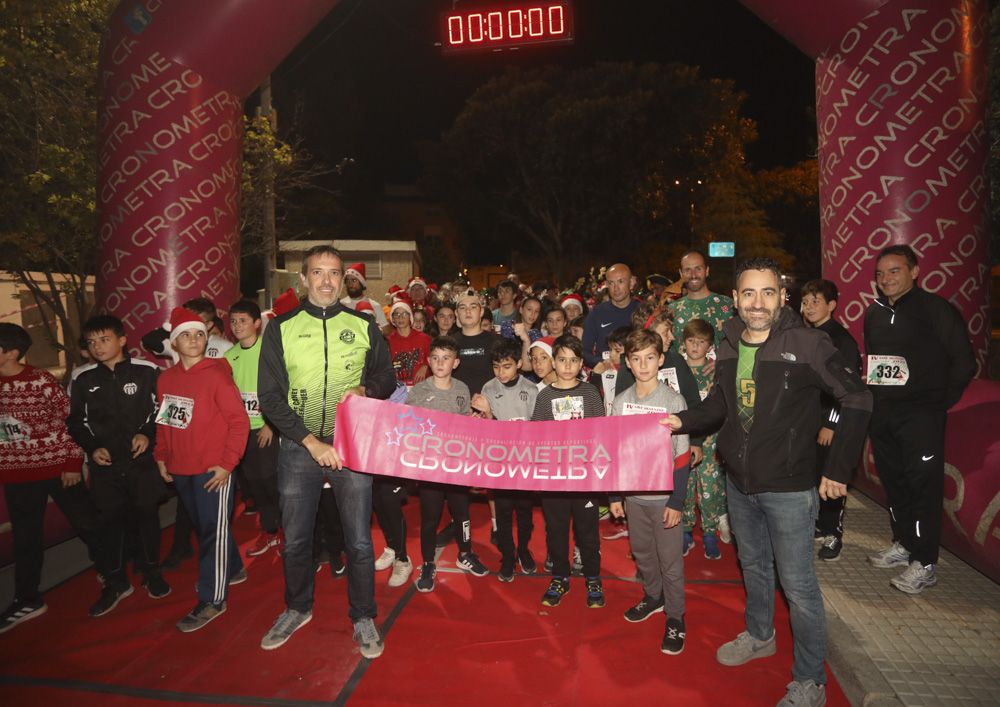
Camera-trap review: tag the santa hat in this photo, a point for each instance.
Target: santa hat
(414, 282)
(357, 270)
(285, 302)
(432, 287)
(401, 304)
(364, 306)
(572, 297)
(545, 344)
(181, 320)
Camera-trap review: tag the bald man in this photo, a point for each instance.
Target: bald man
(608, 316)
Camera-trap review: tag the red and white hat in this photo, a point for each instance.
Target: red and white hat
(285, 302)
(364, 305)
(415, 282)
(357, 270)
(545, 344)
(433, 288)
(182, 320)
(573, 298)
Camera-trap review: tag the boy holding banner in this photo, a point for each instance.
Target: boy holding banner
(443, 393)
(655, 533)
(569, 398)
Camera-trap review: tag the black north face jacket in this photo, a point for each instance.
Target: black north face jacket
(793, 367)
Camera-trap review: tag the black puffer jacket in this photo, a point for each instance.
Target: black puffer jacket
(793, 367)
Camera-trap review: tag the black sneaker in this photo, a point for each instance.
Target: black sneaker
(156, 586)
(446, 536)
(506, 570)
(175, 557)
(239, 578)
(646, 607)
(110, 596)
(673, 637)
(200, 616)
(337, 567)
(547, 564)
(554, 594)
(527, 562)
(830, 547)
(19, 612)
(595, 593)
(469, 562)
(425, 583)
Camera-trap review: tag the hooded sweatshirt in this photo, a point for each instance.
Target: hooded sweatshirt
(201, 421)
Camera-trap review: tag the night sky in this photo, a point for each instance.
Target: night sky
(370, 84)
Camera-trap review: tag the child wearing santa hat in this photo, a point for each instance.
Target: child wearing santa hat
(202, 432)
(408, 347)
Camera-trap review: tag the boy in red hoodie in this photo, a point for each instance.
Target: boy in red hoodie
(202, 432)
(38, 459)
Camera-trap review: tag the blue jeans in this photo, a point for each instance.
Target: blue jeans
(300, 482)
(218, 557)
(777, 529)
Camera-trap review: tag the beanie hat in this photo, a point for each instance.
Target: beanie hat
(358, 271)
(181, 320)
(401, 304)
(545, 344)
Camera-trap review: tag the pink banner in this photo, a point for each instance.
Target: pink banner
(603, 454)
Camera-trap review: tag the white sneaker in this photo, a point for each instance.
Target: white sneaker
(893, 556)
(725, 532)
(401, 571)
(915, 578)
(385, 560)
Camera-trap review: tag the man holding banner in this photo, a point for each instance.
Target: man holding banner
(311, 358)
(770, 371)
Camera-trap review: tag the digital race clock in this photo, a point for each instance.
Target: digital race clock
(508, 26)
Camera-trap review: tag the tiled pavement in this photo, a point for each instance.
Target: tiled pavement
(941, 647)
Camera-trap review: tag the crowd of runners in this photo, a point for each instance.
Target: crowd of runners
(769, 404)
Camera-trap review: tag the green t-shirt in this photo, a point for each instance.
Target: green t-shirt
(244, 363)
(746, 387)
(715, 309)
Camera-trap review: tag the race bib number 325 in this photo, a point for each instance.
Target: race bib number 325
(887, 370)
(175, 411)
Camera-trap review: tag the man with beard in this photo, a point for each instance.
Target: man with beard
(354, 283)
(699, 302)
(771, 362)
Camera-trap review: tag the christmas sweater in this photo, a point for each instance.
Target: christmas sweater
(34, 442)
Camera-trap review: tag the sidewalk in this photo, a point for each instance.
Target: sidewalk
(941, 647)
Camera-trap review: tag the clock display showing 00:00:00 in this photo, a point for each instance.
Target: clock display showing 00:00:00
(508, 26)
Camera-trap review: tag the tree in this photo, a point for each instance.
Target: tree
(790, 198)
(569, 159)
(48, 153)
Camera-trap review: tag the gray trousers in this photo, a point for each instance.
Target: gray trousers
(659, 555)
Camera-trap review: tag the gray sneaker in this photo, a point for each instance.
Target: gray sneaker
(200, 616)
(915, 578)
(367, 637)
(743, 649)
(804, 694)
(288, 623)
(893, 556)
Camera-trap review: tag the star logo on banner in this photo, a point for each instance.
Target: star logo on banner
(393, 438)
(411, 417)
(427, 428)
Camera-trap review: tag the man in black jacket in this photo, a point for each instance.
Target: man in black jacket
(819, 300)
(770, 372)
(112, 410)
(919, 363)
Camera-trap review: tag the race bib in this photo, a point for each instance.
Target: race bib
(251, 403)
(13, 430)
(887, 370)
(669, 376)
(608, 380)
(175, 411)
(567, 408)
(637, 409)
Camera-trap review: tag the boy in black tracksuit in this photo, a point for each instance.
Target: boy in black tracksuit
(112, 406)
(819, 300)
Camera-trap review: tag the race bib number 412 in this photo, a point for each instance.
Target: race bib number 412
(175, 411)
(887, 370)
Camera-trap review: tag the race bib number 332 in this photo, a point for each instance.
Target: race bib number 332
(175, 411)
(887, 370)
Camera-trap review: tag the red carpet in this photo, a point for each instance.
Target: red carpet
(471, 641)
